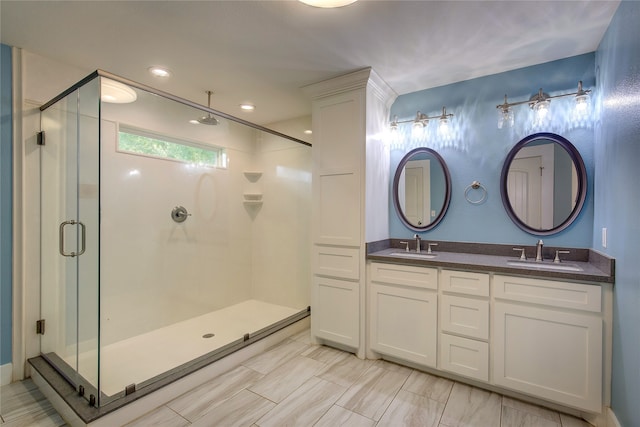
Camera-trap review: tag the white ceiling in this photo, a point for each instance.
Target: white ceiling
(263, 52)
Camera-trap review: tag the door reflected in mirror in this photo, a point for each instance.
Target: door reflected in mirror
(543, 183)
(421, 189)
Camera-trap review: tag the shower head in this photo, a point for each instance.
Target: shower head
(208, 119)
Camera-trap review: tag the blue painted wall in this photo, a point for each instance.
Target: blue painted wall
(617, 198)
(5, 204)
(476, 148)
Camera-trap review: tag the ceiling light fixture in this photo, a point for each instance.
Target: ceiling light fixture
(420, 121)
(159, 72)
(247, 107)
(327, 4)
(116, 93)
(540, 103)
(308, 131)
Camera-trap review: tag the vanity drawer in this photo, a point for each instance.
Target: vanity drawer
(464, 356)
(549, 292)
(464, 316)
(338, 262)
(464, 282)
(418, 277)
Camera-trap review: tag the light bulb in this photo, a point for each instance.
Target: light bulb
(505, 118)
(582, 104)
(420, 121)
(541, 109)
(443, 127)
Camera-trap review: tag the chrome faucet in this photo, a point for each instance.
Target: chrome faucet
(417, 243)
(539, 250)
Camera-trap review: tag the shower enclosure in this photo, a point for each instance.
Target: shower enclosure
(167, 240)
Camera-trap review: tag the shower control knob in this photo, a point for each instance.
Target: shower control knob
(179, 214)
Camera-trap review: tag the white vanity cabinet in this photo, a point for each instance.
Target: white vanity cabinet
(464, 323)
(404, 312)
(548, 340)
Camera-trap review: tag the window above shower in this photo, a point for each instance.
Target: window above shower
(149, 144)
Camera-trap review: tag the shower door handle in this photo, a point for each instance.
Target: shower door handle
(83, 238)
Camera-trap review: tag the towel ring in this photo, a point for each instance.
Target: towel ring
(475, 185)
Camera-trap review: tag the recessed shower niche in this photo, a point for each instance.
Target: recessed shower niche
(144, 247)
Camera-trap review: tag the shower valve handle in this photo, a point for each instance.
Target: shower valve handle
(179, 214)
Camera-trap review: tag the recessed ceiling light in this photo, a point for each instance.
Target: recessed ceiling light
(247, 107)
(160, 72)
(194, 122)
(328, 3)
(308, 131)
(116, 92)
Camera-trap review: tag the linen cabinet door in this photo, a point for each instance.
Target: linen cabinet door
(404, 323)
(336, 313)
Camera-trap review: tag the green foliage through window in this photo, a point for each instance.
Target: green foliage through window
(139, 142)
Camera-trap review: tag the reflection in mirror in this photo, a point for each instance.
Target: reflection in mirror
(543, 183)
(421, 189)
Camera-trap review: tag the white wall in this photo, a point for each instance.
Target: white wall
(282, 225)
(154, 271)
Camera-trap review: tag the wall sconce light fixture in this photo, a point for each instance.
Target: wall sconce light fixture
(422, 120)
(540, 104)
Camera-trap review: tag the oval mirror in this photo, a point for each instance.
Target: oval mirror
(421, 189)
(543, 183)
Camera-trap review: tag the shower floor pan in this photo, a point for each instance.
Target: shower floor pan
(155, 359)
(137, 359)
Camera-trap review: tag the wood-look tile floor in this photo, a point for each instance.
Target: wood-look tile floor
(299, 384)
(22, 404)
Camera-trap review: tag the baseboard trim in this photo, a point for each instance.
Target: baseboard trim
(6, 373)
(612, 420)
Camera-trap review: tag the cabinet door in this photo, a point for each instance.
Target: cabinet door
(551, 354)
(337, 154)
(404, 323)
(336, 313)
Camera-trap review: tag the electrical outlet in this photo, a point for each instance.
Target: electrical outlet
(604, 237)
(433, 214)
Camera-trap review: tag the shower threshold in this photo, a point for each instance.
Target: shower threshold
(122, 408)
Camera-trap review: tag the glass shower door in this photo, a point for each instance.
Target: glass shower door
(69, 238)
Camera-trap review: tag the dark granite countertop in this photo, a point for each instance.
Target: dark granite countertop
(595, 267)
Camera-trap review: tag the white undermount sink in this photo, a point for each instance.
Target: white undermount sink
(414, 255)
(545, 266)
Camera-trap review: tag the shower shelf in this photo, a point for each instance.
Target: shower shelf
(252, 197)
(253, 176)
